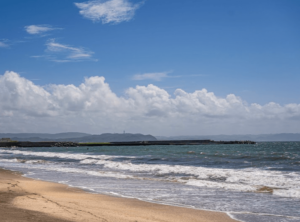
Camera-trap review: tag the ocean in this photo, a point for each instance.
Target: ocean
(250, 183)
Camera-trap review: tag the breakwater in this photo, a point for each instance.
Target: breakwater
(38, 144)
(133, 143)
(166, 142)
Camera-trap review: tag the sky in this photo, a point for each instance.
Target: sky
(160, 67)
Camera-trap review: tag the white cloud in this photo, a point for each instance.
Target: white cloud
(58, 52)
(157, 76)
(93, 107)
(39, 29)
(73, 53)
(110, 11)
(3, 44)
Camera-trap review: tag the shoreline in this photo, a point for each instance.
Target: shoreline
(26, 199)
(132, 143)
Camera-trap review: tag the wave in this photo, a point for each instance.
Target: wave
(286, 184)
(59, 168)
(9, 160)
(61, 155)
(17, 160)
(250, 179)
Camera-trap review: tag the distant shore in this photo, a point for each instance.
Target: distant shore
(132, 143)
(25, 199)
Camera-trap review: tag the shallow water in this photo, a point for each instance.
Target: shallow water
(250, 182)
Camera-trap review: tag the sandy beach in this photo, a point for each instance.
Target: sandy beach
(25, 199)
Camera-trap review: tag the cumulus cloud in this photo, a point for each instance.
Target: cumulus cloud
(39, 29)
(93, 107)
(110, 11)
(58, 52)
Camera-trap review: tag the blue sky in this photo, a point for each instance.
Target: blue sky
(247, 48)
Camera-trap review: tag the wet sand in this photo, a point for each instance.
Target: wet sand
(25, 199)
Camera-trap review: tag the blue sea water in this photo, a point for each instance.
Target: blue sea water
(251, 183)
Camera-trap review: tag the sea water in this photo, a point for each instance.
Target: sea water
(258, 182)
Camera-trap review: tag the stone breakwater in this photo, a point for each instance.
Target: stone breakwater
(134, 143)
(38, 144)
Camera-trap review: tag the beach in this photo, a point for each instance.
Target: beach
(25, 199)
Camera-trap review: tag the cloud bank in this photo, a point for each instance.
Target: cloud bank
(39, 29)
(111, 11)
(93, 107)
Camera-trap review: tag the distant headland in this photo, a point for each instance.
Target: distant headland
(77, 137)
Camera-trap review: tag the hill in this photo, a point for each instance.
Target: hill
(43, 135)
(78, 137)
